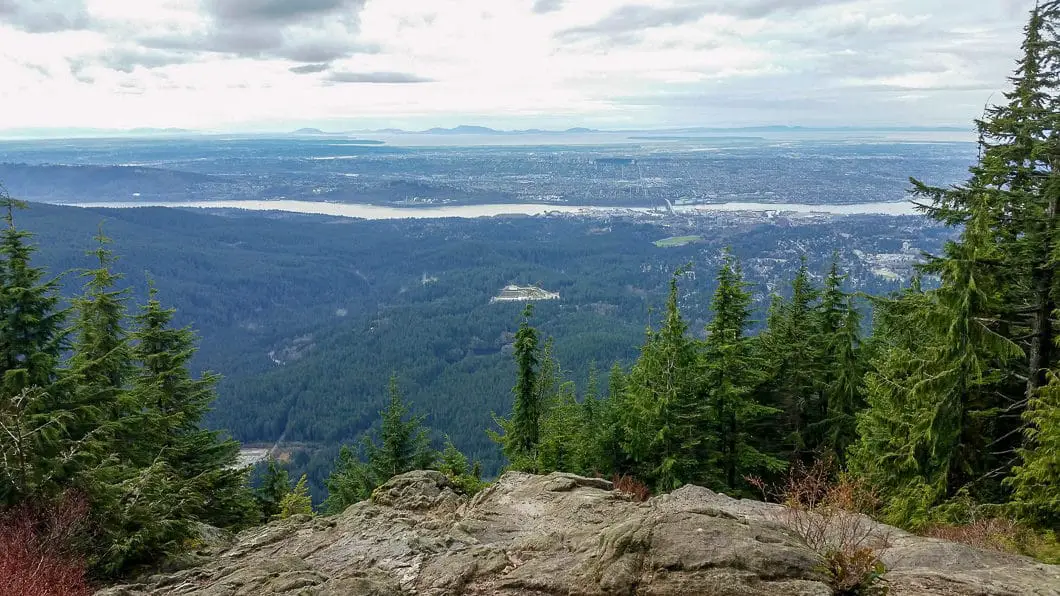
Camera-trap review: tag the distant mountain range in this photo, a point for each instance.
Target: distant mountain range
(68, 133)
(464, 129)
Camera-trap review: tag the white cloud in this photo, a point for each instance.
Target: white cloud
(220, 64)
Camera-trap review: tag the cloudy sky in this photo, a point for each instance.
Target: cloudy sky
(348, 64)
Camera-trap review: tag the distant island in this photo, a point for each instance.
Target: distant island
(670, 133)
(316, 132)
(466, 129)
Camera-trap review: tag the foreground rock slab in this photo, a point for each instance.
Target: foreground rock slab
(564, 534)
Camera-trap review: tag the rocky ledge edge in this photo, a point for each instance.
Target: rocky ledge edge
(565, 534)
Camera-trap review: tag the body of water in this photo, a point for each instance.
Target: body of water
(468, 211)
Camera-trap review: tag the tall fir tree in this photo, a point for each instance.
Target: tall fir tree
(141, 511)
(31, 335)
(843, 393)
(172, 404)
(1015, 188)
(988, 331)
(594, 421)
(840, 368)
(521, 434)
(564, 432)
(733, 378)
(35, 449)
(792, 346)
(664, 412)
(401, 445)
(887, 453)
(931, 429)
(101, 361)
(609, 424)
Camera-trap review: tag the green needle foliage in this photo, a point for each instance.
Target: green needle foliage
(733, 378)
(663, 410)
(114, 416)
(950, 395)
(402, 445)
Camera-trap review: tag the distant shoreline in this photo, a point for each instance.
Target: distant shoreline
(379, 212)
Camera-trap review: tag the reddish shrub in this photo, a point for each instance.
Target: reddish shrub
(631, 486)
(38, 549)
(986, 533)
(829, 512)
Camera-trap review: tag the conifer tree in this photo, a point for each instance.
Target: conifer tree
(608, 422)
(843, 393)
(839, 366)
(1015, 188)
(733, 378)
(404, 441)
(349, 482)
(792, 345)
(591, 435)
(31, 335)
(141, 510)
(967, 368)
(521, 434)
(561, 425)
(454, 464)
(664, 414)
(275, 485)
(945, 407)
(1036, 480)
(35, 449)
(526, 412)
(172, 405)
(101, 362)
(887, 454)
(401, 445)
(562, 428)
(297, 501)
(930, 426)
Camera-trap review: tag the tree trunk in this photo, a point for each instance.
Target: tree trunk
(1039, 356)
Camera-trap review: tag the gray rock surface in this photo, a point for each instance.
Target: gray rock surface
(564, 534)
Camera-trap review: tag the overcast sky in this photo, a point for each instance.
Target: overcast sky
(347, 64)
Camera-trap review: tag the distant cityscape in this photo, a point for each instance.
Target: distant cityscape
(677, 171)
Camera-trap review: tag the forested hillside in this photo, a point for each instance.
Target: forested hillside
(344, 303)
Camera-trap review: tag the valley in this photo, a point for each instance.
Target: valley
(311, 278)
(306, 316)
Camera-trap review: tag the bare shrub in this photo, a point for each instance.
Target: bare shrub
(986, 533)
(830, 512)
(1001, 535)
(38, 549)
(631, 486)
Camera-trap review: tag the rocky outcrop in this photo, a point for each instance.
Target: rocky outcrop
(564, 534)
